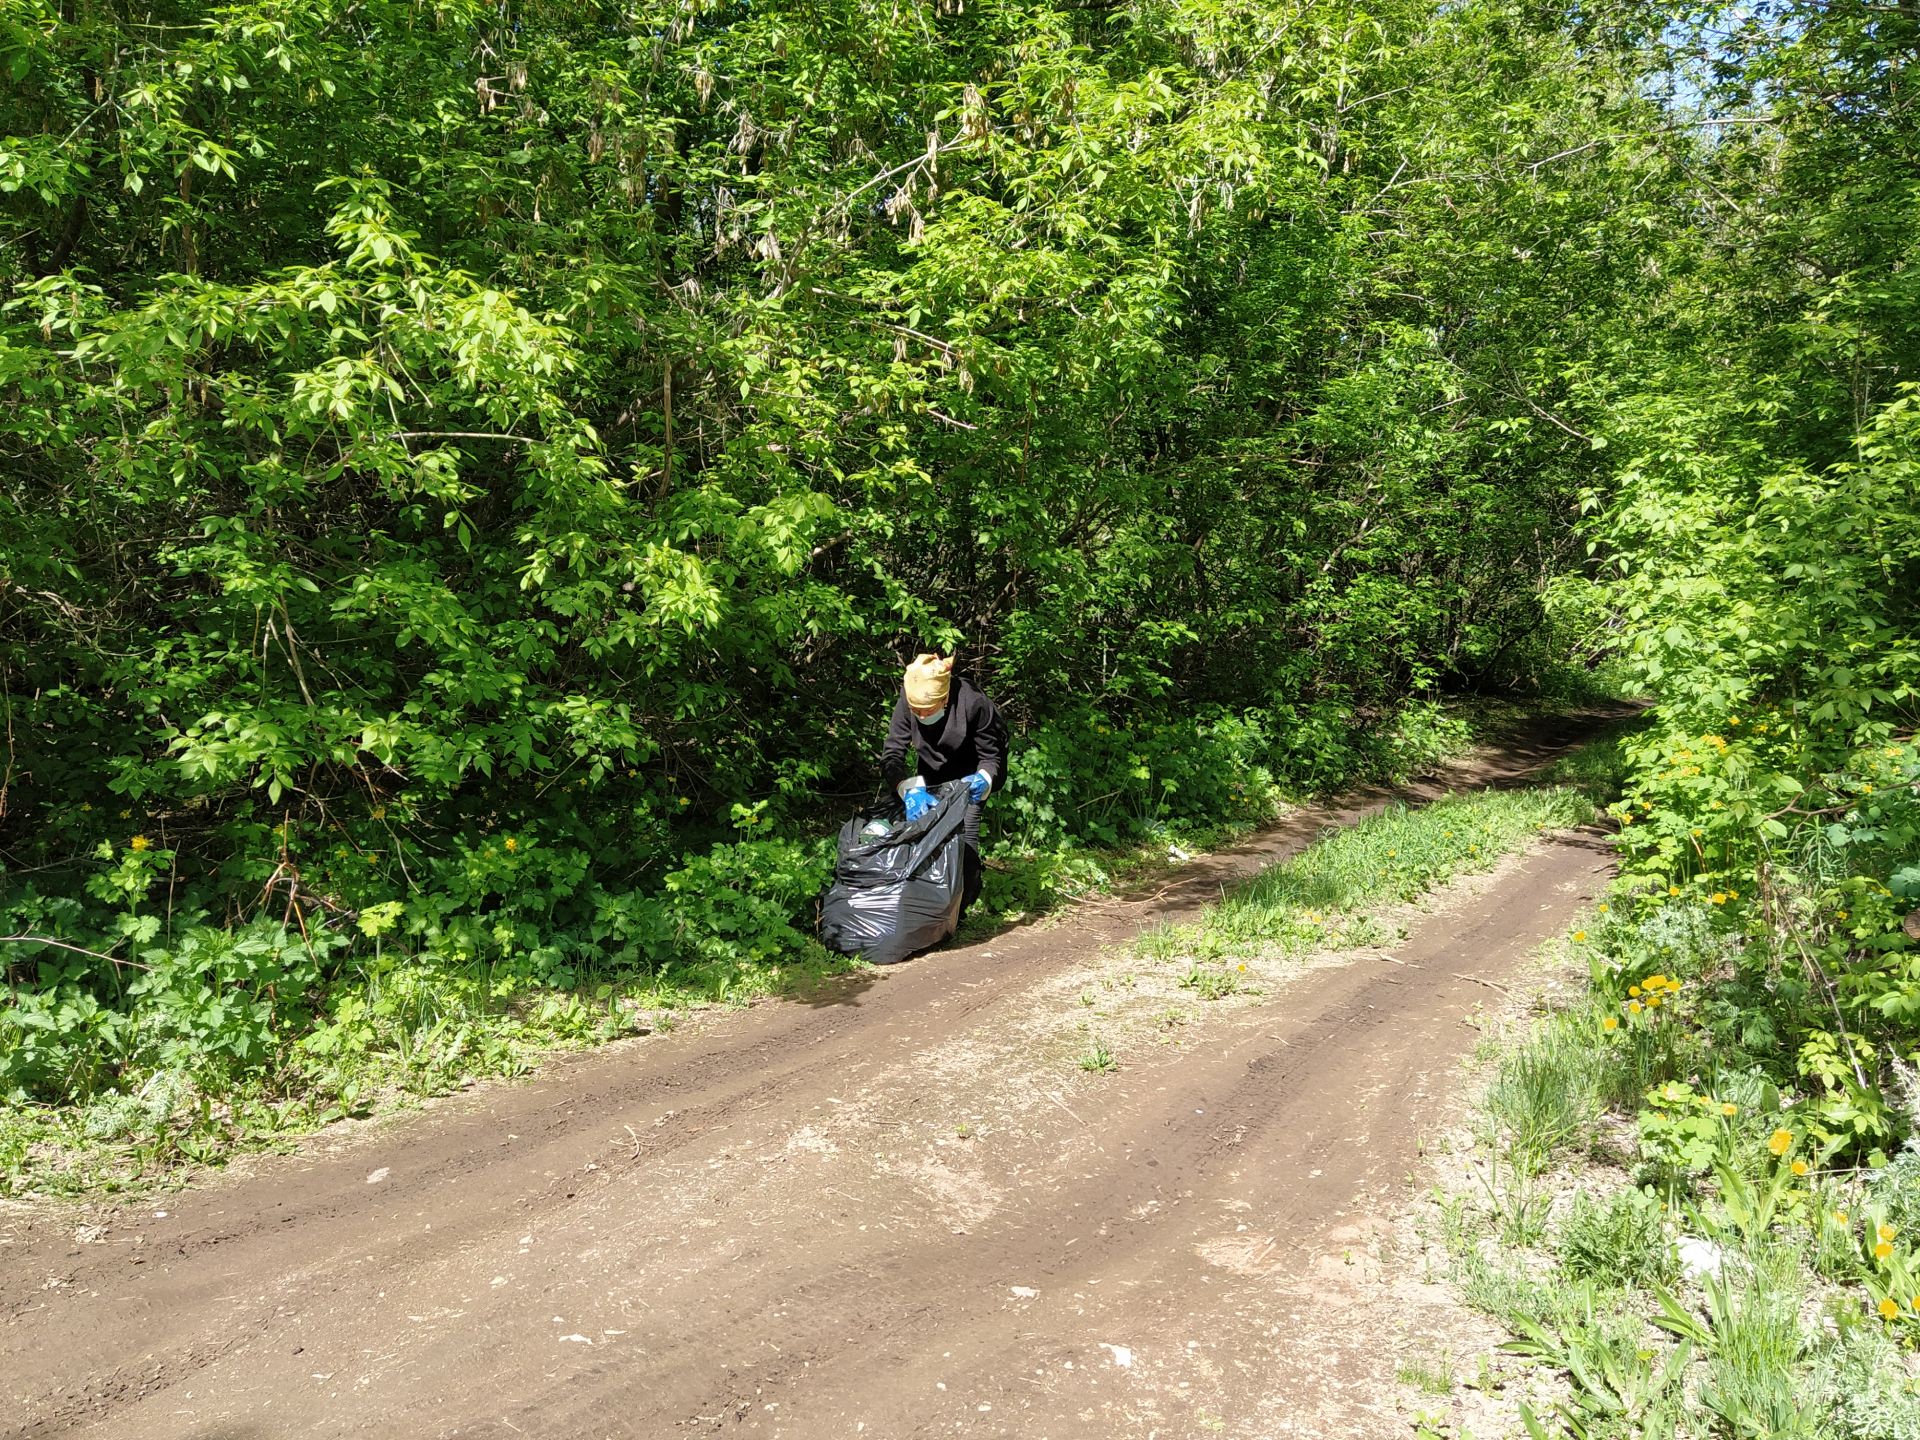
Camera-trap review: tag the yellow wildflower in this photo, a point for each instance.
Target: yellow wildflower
(1653, 1002)
(1579, 935)
(1799, 1167)
(1633, 989)
(1729, 1109)
(511, 844)
(1780, 1141)
(1656, 982)
(1839, 1217)
(1887, 1232)
(684, 801)
(1673, 889)
(1612, 1022)
(1719, 897)
(1888, 1309)
(1882, 1250)
(139, 842)
(1635, 1006)
(1841, 915)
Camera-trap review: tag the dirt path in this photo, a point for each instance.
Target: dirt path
(898, 1208)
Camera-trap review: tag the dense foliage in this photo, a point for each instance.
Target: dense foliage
(470, 473)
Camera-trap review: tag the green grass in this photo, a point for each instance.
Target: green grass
(1429, 1377)
(1547, 1092)
(1321, 898)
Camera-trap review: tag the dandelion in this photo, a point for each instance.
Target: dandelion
(511, 844)
(1799, 1167)
(1603, 909)
(1656, 982)
(1392, 853)
(1887, 1232)
(1839, 1217)
(139, 842)
(1696, 834)
(1633, 990)
(1780, 1141)
(1882, 1250)
(1579, 935)
(1673, 889)
(1635, 1006)
(1729, 1110)
(1719, 897)
(1653, 1002)
(1888, 1309)
(1612, 1022)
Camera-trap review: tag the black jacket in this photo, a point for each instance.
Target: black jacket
(970, 736)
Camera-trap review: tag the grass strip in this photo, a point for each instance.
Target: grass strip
(1324, 897)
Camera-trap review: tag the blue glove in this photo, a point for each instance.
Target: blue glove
(978, 784)
(919, 801)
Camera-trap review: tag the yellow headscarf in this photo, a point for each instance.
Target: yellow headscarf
(929, 678)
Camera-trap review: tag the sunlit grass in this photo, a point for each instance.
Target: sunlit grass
(1325, 897)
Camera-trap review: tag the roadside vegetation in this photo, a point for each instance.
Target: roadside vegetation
(1695, 1198)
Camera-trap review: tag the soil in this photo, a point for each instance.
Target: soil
(896, 1206)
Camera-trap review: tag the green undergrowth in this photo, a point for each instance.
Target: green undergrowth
(1678, 1241)
(224, 1075)
(179, 1042)
(1327, 897)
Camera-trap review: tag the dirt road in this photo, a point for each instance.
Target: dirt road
(898, 1208)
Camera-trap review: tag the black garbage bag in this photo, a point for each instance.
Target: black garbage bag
(898, 892)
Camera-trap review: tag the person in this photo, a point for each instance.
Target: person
(945, 729)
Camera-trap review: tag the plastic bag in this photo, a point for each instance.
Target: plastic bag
(896, 894)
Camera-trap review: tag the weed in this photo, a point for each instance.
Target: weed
(1749, 1329)
(1097, 1059)
(1428, 1376)
(1211, 982)
(1546, 1093)
(1618, 1241)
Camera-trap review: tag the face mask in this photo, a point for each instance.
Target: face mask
(933, 719)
